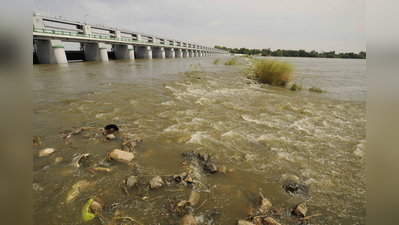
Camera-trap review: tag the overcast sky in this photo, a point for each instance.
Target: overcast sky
(320, 25)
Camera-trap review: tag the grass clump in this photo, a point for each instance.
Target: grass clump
(216, 61)
(273, 72)
(296, 87)
(195, 72)
(231, 62)
(316, 89)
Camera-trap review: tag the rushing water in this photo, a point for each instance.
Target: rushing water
(264, 135)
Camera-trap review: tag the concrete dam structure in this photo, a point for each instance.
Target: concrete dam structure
(49, 33)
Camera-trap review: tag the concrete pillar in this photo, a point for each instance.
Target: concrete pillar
(95, 52)
(124, 52)
(38, 21)
(191, 53)
(50, 51)
(185, 53)
(170, 53)
(179, 53)
(158, 52)
(195, 53)
(200, 54)
(143, 52)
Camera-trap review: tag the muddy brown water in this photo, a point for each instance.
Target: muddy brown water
(264, 135)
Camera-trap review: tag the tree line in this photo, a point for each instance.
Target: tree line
(294, 53)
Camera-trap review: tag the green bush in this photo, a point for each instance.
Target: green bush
(295, 87)
(231, 62)
(216, 61)
(273, 72)
(316, 89)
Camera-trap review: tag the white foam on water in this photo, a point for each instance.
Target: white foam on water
(361, 149)
(169, 103)
(198, 137)
(286, 156)
(203, 101)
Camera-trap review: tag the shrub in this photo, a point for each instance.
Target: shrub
(231, 62)
(316, 89)
(273, 72)
(295, 87)
(216, 61)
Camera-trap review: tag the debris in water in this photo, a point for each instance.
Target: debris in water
(110, 129)
(111, 137)
(46, 152)
(300, 210)
(86, 214)
(81, 159)
(36, 141)
(71, 195)
(194, 198)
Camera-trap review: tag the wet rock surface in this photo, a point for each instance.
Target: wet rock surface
(189, 153)
(210, 168)
(121, 156)
(188, 220)
(156, 182)
(178, 178)
(222, 169)
(300, 210)
(270, 221)
(131, 181)
(244, 222)
(203, 156)
(294, 187)
(277, 212)
(111, 137)
(194, 198)
(266, 205)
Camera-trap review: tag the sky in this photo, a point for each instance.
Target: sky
(320, 25)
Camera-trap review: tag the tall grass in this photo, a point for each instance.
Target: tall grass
(273, 72)
(231, 62)
(316, 89)
(216, 61)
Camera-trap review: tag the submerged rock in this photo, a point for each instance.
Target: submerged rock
(293, 187)
(204, 157)
(184, 138)
(156, 182)
(244, 222)
(300, 210)
(46, 152)
(121, 156)
(178, 178)
(57, 160)
(222, 169)
(266, 205)
(189, 153)
(270, 221)
(210, 168)
(188, 220)
(179, 208)
(194, 198)
(131, 181)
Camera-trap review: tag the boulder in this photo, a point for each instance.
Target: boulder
(270, 221)
(194, 198)
(266, 205)
(203, 156)
(210, 168)
(178, 178)
(46, 152)
(294, 187)
(188, 220)
(244, 222)
(131, 181)
(121, 156)
(300, 210)
(156, 182)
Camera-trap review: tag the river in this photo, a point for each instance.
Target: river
(263, 135)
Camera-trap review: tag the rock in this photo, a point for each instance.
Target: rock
(244, 222)
(292, 187)
(179, 208)
(184, 138)
(270, 221)
(277, 212)
(111, 137)
(258, 221)
(77, 130)
(222, 169)
(46, 152)
(194, 198)
(210, 168)
(133, 144)
(203, 156)
(300, 210)
(121, 156)
(188, 220)
(189, 153)
(96, 207)
(249, 209)
(178, 178)
(131, 181)
(215, 159)
(57, 160)
(156, 182)
(266, 205)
